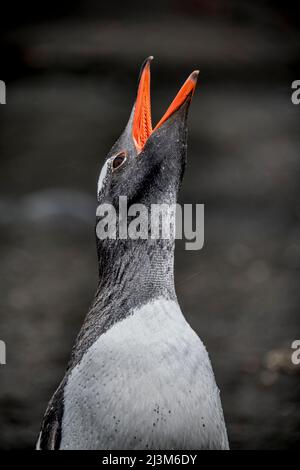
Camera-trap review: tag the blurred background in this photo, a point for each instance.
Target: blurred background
(71, 70)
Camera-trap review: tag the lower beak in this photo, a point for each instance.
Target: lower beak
(142, 122)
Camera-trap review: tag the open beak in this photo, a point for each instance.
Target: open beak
(142, 122)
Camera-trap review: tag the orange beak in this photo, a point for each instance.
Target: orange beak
(142, 122)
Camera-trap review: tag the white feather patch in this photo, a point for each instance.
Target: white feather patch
(146, 383)
(102, 177)
(38, 444)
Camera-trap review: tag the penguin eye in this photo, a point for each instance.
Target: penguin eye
(118, 160)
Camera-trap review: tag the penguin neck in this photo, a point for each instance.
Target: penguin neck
(132, 273)
(139, 270)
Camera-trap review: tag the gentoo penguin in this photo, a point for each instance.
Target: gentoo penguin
(139, 377)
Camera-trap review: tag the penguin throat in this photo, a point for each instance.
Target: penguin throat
(137, 269)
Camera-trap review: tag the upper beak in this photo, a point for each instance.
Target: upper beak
(142, 122)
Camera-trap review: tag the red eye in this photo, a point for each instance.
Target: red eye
(119, 160)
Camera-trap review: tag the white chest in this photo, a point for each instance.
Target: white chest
(146, 383)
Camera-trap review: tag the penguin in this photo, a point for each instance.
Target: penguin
(139, 377)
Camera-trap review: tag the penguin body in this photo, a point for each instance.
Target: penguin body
(149, 375)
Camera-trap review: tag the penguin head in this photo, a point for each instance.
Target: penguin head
(146, 164)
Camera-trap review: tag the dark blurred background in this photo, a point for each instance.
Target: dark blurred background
(71, 70)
